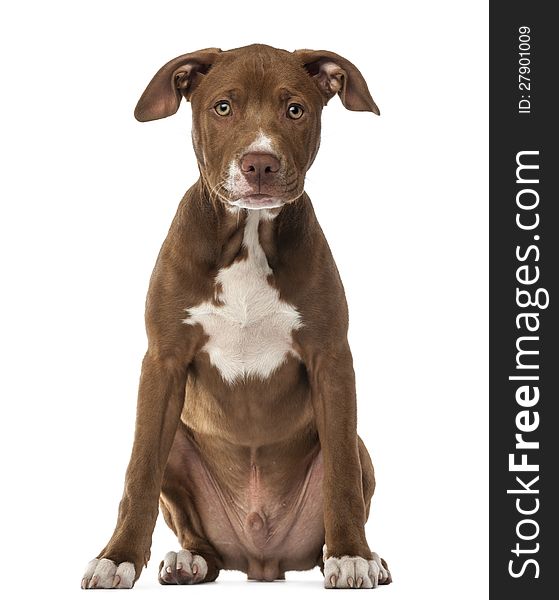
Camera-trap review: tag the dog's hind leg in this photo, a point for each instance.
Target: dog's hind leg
(367, 475)
(368, 479)
(197, 561)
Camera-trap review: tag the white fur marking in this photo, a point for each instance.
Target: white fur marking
(236, 183)
(250, 330)
(267, 204)
(262, 143)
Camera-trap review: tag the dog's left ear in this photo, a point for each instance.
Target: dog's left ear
(334, 74)
(177, 78)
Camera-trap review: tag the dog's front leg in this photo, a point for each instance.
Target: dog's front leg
(160, 401)
(348, 561)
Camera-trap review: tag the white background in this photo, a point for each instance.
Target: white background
(87, 195)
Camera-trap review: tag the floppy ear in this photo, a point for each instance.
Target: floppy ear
(177, 78)
(335, 74)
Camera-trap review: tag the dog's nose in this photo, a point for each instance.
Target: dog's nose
(259, 164)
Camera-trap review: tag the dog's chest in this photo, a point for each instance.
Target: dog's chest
(249, 327)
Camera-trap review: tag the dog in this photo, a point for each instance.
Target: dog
(246, 432)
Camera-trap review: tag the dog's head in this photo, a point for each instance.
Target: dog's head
(256, 115)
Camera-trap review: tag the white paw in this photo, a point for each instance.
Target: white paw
(182, 568)
(105, 574)
(354, 572)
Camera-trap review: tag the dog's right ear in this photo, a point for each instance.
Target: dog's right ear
(175, 79)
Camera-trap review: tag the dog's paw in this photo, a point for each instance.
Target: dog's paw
(182, 568)
(106, 574)
(355, 572)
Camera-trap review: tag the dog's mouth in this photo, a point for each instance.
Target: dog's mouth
(257, 202)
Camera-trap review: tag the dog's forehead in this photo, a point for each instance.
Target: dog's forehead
(259, 67)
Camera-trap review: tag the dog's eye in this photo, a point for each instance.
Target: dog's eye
(223, 108)
(295, 111)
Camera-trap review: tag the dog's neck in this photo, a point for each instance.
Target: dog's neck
(217, 238)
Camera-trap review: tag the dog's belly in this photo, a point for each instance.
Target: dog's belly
(255, 525)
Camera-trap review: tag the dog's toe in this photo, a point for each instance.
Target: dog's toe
(384, 577)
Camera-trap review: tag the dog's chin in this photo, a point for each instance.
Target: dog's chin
(257, 202)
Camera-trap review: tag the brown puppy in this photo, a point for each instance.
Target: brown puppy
(246, 418)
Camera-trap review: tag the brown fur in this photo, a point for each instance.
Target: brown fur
(194, 431)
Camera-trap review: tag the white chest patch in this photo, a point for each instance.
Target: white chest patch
(249, 329)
